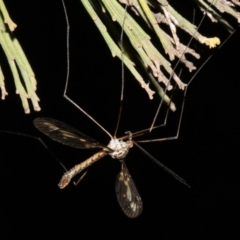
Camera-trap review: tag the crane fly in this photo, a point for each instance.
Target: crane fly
(126, 190)
(127, 194)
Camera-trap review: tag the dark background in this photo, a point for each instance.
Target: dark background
(206, 153)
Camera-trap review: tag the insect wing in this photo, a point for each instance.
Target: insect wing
(127, 194)
(65, 134)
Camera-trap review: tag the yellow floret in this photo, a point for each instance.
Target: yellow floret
(212, 42)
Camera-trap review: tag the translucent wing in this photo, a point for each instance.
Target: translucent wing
(65, 134)
(127, 194)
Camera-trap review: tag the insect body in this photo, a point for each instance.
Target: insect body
(126, 191)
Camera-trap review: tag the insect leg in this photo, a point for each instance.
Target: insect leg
(67, 76)
(37, 139)
(80, 179)
(175, 67)
(162, 166)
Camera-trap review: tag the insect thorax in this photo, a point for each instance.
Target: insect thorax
(119, 147)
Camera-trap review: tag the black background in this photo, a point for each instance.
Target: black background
(206, 153)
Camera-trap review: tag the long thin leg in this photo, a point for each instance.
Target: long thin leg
(185, 92)
(147, 130)
(136, 134)
(175, 67)
(171, 76)
(178, 128)
(162, 166)
(67, 76)
(123, 75)
(37, 139)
